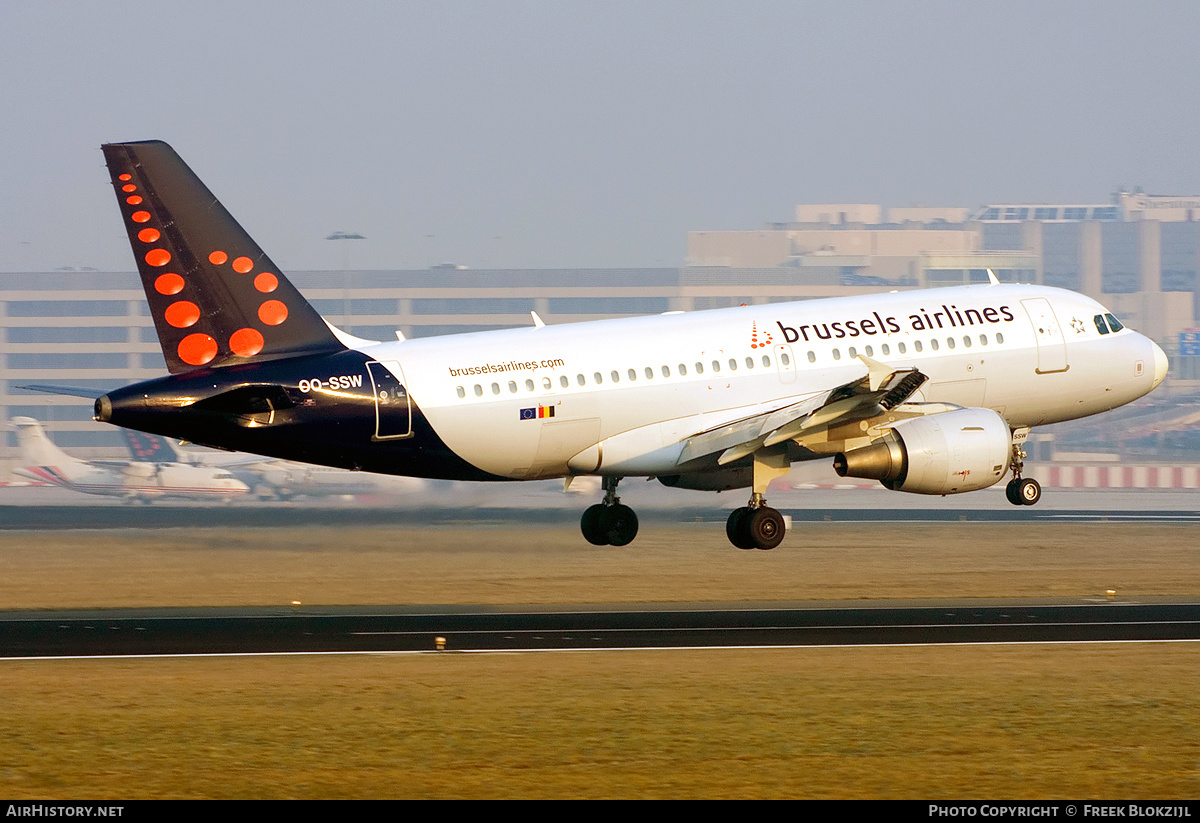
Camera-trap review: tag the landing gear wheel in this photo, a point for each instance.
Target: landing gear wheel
(735, 528)
(1011, 492)
(765, 528)
(618, 524)
(761, 528)
(589, 524)
(1029, 491)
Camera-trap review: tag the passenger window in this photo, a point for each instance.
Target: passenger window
(649, 373)
(949, 342)
(616, 376)
(682, 369)
(900, 347)
(999, 337)
(666, 370)
(732, 364)
(983, 339)
(699, 368)
(563, 381)
(716, 365)
(837, 354)
(886, 349)
(812, 357)
(512, 386)
(869, 351)
(1101, 326)
(785, 360)
(967, 340)
(529, 385)
(933, 344)
(478, 390)
(580, 379)
(495, 388)
(749, 362)
(766, 361)
(632, 374)
(917, 345)
(546, 382)
(461, 391)
(852, 352)
(598, 377)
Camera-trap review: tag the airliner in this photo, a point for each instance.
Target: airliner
(132, 480)
(928, 392)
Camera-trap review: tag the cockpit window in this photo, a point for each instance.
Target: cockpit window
(1100, 324)
(1114, 323)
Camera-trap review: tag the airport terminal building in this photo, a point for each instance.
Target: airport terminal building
(1139, 255)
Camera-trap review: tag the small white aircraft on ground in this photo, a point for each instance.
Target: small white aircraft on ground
(133, 480)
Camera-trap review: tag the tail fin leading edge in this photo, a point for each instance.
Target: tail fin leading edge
(215, 296)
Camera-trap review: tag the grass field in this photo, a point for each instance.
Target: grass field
(1087, 722)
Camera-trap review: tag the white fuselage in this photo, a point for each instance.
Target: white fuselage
(531, 403)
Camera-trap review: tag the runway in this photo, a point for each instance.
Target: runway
(462, 629)
(276, 515)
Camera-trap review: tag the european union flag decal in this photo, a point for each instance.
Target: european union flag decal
(539, 412)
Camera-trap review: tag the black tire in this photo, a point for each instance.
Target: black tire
(1012, 493)
(589, 524)
(619, 525)
(766, 528)
(735, 528)
(1030, 491)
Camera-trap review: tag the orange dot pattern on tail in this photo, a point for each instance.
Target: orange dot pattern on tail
(158, 257)
(246, 342)
(203, 336)
(182, 313)
(197, 349)
(168, 284)
(272, 312)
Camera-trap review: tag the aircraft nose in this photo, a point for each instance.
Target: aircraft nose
(1160, 364)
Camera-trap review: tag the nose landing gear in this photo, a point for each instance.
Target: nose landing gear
(1021, 491)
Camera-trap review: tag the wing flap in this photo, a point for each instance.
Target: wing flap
(880, 390)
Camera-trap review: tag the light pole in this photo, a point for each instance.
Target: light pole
(345, 235)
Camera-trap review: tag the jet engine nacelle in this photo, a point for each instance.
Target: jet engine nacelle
(946, 453)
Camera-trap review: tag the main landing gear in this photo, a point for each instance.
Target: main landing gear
(756, 526)
(1021, 491)
(609, 523)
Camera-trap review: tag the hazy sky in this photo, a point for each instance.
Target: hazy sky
(545, 134)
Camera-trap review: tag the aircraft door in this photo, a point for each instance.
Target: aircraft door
(785, 361)
(1051, 345)
(393, 409)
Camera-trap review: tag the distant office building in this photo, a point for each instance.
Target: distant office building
(1138, 254)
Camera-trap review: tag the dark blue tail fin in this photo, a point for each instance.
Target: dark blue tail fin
(150, 448)
(216, 298)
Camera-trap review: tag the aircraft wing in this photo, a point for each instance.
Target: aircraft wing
(881, 389)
